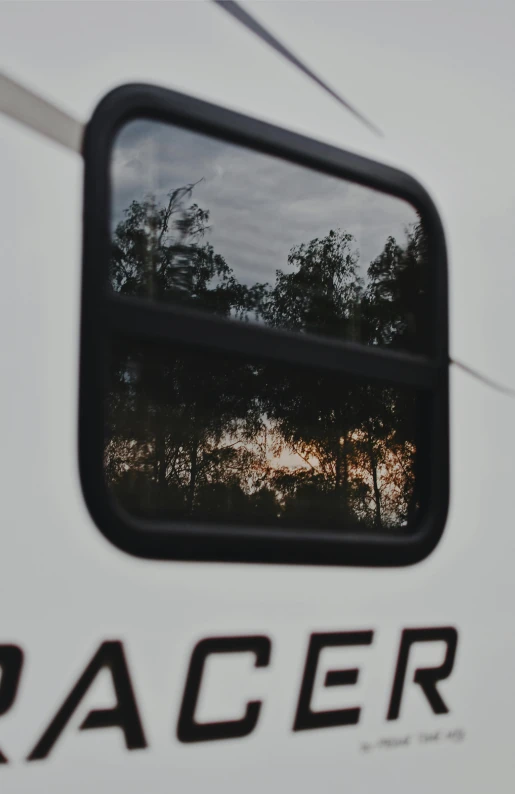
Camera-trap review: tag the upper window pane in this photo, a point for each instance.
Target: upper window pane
(205, 224)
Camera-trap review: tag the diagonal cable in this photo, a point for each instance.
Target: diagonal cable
(509, 392)
(239, 13)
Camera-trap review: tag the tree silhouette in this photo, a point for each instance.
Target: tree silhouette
(214, 436)
(322, 292)
(394, 305)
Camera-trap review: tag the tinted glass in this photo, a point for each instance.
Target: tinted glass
(216, 437)
(209, 225)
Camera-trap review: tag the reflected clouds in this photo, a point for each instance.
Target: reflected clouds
(260, 206)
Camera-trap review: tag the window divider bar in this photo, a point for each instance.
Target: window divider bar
(142, 319)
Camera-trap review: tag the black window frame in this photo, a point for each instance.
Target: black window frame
(103, 315)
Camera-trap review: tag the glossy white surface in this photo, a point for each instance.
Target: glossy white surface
(420, 71)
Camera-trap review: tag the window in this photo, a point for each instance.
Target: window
(264, 343)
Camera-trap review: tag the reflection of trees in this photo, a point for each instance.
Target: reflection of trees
(202, 435)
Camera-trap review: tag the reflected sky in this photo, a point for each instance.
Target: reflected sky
(260, 206)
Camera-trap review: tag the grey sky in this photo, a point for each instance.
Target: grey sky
(260, 206)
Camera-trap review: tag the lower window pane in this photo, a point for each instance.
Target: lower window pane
(212, 437)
